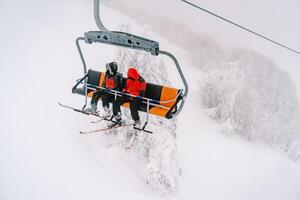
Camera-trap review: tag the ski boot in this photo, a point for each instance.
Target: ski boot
(117, 121)
(107, 113)
(92, 109)
(137, 124)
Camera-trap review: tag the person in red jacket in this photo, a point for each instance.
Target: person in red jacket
(135, 86)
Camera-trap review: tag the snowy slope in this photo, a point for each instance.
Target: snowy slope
(42, 155)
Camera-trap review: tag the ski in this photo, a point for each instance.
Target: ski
(78, 110)
(102, 119)
(105, 129)
(131, 141)
(97, 121)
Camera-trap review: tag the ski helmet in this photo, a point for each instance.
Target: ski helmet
(112, 67)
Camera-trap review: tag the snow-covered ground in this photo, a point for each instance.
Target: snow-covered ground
(42, 156)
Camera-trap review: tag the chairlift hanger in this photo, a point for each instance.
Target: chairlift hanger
(127, 40)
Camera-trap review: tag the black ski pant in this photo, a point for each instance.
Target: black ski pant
(134, 106)
(106, 98)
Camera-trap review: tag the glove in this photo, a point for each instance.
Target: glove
(105, 90)
(139, 97)
(142, 93)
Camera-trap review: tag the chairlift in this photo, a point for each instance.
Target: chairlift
(159, 100)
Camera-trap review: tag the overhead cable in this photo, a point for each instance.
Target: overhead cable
(242, 27)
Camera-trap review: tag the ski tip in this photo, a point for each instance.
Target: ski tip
(83, 132)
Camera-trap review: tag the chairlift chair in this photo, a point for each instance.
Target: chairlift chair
(159, 100)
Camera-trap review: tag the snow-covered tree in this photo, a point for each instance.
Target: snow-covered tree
(159, 149)
(255, 97)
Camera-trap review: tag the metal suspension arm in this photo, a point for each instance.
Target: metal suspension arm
(80, 53)
(97, 16)
(186, 87)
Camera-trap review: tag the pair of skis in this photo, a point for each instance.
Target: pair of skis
(131, 141)
(102, 119)
(114, 126)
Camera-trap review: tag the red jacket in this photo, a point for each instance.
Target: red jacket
(113, 82)
(135, 84)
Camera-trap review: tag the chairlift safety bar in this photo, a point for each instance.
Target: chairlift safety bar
(92, 87)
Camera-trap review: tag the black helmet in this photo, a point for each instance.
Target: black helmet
(112, 68)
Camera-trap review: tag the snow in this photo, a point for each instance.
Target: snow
(42, 156)
(217, 166)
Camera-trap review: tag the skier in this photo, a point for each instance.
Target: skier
(113, 81)
(135, 85)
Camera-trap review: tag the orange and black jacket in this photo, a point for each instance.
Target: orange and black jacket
(113, 82)
(135, 84)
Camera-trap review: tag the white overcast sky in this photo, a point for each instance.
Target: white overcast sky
(279, 20)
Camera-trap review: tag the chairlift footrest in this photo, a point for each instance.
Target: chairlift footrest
(142, 129)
